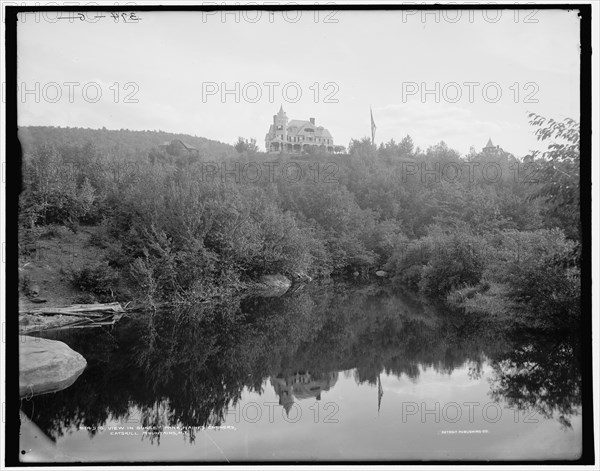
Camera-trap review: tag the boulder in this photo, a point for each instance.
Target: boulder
(38, 300)
(46, 365)
(381, 273)
(273, 285)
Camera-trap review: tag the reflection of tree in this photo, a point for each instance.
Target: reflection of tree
(540, 373)
(186, 368)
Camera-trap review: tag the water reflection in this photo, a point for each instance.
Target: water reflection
(189, 368)
(302, 385)
(540, 372)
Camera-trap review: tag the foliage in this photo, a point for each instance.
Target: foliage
(439, 262)
(559, 171)
(541, 272)
(430, 217)
(52, 195)
(98, 279)
(246, 145)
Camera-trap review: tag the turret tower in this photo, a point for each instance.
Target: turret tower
(280, 122)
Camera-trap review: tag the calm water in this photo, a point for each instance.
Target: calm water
(328, 373)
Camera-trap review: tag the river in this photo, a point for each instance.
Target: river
(329, 372)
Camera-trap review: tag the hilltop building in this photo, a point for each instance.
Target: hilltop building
(297, 135)
(491, 149)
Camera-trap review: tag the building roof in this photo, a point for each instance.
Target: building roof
(489, 144)
(300, 124)
(184, 144)
(188, 147)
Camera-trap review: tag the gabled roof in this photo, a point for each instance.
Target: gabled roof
(299, 123)
(185, 145)
(320, 131)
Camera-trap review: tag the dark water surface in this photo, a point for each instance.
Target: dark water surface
(332, 372)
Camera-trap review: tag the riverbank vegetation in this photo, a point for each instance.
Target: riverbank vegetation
(486, 232)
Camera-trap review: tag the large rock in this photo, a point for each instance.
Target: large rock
(273, 285)
(47, 365)
(381, 273)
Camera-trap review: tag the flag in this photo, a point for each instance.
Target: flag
(373, 128)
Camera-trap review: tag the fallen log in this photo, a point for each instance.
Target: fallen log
(86, 323)
(80, 310)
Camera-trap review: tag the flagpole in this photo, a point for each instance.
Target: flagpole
(379, 393)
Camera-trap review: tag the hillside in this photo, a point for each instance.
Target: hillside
(123, 143)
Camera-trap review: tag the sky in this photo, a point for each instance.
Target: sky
(434, 76)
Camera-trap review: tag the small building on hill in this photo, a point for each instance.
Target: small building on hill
(177, 147)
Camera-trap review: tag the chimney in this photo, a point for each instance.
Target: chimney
(312, 121)
(274, 119)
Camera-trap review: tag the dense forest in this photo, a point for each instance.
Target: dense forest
(485, 232)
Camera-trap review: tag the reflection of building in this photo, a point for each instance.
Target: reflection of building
(297, 135)
(301, 385)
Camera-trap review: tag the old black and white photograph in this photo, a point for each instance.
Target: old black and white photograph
(299, 233)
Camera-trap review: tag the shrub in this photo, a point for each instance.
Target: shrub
(532, 276)
(99, 279)
(24, 283)
(439, 262)
(100, 239)
(51, 193)
(541, 272)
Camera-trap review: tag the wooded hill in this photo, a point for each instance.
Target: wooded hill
(122, 143)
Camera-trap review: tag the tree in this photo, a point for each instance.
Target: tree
(406, 147)
(559, 171)
(244, 145)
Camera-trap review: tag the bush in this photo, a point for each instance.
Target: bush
(541, 272)
(52, 194)
(532, 276)
(440, 262)
(99, 279)
(24, 283)
(100, 239)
